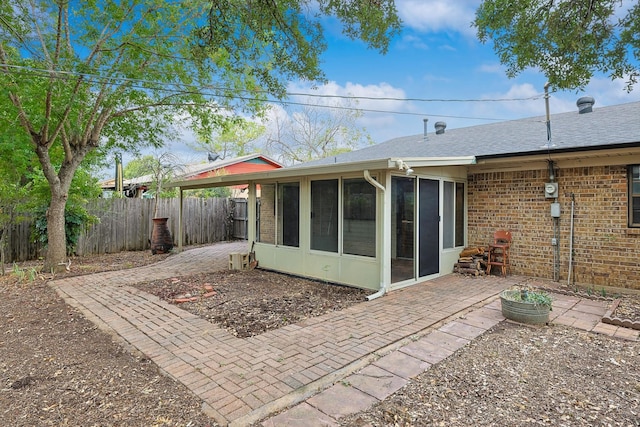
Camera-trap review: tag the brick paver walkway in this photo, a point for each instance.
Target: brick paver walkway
(244, 380)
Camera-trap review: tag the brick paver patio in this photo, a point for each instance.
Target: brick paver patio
(374, 346)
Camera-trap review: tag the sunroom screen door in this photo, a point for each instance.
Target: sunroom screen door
(429, 231)
(403, 229)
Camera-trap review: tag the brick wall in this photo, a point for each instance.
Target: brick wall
(606, 251)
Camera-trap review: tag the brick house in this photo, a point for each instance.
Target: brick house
(399, 212)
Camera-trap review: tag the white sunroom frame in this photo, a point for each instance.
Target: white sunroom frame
(346, 269)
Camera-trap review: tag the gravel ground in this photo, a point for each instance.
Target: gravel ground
(518, 375)
(57, 368)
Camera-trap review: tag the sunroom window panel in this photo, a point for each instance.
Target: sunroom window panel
(289, 214)
(453, 215)
(634, 196)
(324, 215)
(459, 214)
(359, 218)
(448, 222)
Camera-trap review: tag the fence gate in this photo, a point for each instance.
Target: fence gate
(240, 219)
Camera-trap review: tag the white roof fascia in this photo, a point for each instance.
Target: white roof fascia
(325, 169)
(424, 162)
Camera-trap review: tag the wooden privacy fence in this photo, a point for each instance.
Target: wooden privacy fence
(126, 225)
(240, 219)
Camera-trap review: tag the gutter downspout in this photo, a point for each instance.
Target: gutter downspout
(383, 287)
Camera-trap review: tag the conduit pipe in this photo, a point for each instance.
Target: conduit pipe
(573, 201)
(383, 286)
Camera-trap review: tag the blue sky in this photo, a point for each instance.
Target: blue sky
(438, 56)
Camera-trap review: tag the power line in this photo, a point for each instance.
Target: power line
(174, 88)
(381, 98)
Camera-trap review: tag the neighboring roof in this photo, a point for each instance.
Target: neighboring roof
(256, 158)
(605, 127)
(255, 162)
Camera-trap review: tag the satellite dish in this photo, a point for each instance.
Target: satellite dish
(213, 157)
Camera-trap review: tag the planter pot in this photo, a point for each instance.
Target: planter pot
(161, 241)
(523, 312)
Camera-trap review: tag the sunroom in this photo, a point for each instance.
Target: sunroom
(379, 225)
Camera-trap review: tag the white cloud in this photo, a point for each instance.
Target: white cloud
(413, 42)
(608, 92)
(379, 124)
(605, 92)
(494, 68)
(438, 15)
(335, 94)
(448, 47)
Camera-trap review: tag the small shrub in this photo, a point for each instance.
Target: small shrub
(76, 220)
(536, 297)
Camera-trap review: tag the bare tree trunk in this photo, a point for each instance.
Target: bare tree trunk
(56, 236)
(2, 239)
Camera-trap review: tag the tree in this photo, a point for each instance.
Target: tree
(568, 40)
(15, 184)
(24, 191)
(232, 140)
(160, 168)
(315, 132)
(82, 76)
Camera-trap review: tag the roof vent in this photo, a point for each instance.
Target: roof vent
(425, 137)
(585, 104)
(440, 127)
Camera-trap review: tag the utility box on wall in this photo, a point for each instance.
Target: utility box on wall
(551, 190)
(555, 210)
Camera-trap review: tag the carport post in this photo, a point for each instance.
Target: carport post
(252, 212)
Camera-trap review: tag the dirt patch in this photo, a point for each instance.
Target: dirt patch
(248, 303)
(58, 369)
(521, 376)
(31, 271)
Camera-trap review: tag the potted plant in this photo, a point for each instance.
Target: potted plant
(526, 305)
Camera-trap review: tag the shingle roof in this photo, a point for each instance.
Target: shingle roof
(602, 128)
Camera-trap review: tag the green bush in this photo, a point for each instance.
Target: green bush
(76, 220)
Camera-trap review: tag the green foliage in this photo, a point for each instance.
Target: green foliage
(83, 77)
(529, 295)
(160, 169)
(234, 139)
(139, 166)
(221, 192)
(282, 40)
(76, 220)
(24, 275)
(17, 170)
(568, 40)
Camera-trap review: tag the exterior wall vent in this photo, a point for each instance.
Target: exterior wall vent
(440, 127)
(585, 104)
